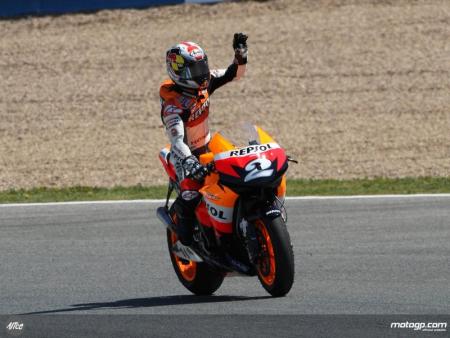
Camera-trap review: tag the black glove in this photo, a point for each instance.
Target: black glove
(193, 168)
(240, 48)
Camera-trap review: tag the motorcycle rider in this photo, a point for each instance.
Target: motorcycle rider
(184, 113)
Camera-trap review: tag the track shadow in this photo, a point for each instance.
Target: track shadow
(150, 302)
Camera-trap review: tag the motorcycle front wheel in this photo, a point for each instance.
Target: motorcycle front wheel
(199, 278)
(275, 265)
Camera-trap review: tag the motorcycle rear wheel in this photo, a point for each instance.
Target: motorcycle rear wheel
(199, 278)
(275, 265)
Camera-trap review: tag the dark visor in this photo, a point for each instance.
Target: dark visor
(199, 69)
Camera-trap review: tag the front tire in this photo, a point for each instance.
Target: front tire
(275, 266)
(199, 278)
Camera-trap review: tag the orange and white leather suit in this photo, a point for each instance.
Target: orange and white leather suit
(185, 114)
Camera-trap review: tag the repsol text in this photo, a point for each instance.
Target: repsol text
(250, 149)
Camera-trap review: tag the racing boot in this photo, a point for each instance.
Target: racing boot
(185, 211)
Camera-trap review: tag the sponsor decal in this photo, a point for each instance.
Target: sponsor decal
(170, 109)
(200, 139)
(212, 196)
(176, 61)
(196, 114)
(197, 54)
(221, 214)
(173, 121)
(189, 195)
(251, 149)
(273, 213)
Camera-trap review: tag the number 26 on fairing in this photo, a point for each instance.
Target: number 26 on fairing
(258, 168)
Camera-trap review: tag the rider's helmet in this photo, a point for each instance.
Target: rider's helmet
(187, 65)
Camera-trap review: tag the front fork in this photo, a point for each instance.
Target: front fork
(248, 233)
(246, 217)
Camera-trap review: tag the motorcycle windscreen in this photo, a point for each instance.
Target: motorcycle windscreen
(240, 135)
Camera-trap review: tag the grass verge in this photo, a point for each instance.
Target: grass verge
(295, 188)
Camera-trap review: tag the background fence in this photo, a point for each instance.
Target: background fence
(12, 8)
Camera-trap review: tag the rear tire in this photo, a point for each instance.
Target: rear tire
(199, 278)
(275, 266)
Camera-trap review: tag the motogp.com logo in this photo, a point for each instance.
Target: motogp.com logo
(429, 327)
(15, 328)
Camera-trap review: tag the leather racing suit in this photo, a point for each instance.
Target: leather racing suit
(184, 113)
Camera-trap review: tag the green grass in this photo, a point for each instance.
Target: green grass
(376, 186)
(295, 188)
(81, 194)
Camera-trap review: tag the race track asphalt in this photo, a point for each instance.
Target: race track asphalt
(353, 256)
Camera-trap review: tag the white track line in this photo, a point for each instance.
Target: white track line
(6, 205)
(364, 196)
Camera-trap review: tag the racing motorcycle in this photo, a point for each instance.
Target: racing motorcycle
(241, 220)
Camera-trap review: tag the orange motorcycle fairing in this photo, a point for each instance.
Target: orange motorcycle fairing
(164, 155)
(201, 212)
(281, 190)
(219, 201)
